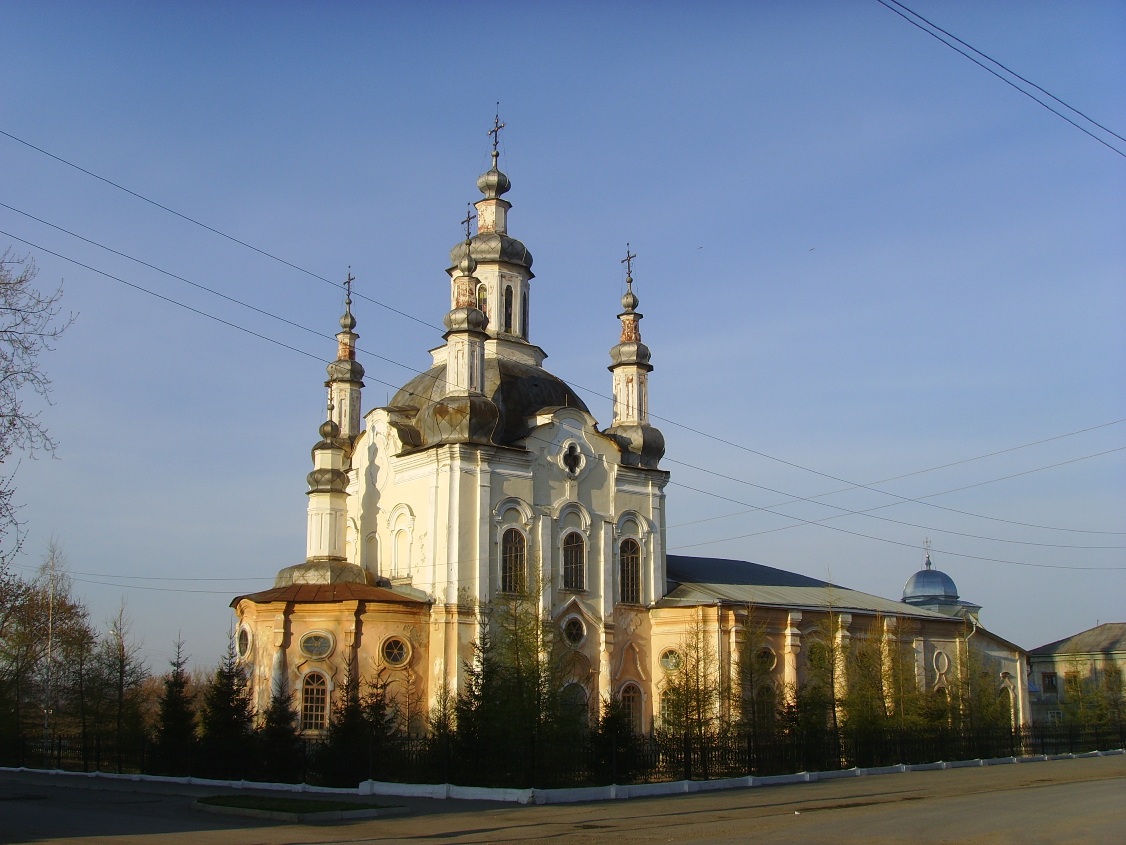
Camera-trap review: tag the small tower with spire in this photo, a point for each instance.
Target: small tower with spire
(346, 374)
(641, 444)
(465, 324)
(328, 499)
(504, 265)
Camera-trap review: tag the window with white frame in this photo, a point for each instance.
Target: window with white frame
(314, 702)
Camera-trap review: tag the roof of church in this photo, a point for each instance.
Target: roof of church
(339, 591)
(703, 580)
(1102, 639)
(518, 389)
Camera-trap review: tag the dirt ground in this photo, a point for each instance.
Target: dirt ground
(1062, 801)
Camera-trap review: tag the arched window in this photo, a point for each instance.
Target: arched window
(631, 700)
(574, 700)
(483, 298)
(524, 316)
(508, 309)
(513, 553)
(314, 702)
(574, 561)
(629, 558)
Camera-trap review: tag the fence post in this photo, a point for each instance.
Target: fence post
(687, 757)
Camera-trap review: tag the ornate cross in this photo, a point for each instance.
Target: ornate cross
(628, 261)
(469, 218)
(495, 131)
(348, 287)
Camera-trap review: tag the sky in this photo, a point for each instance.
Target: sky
(884, 291)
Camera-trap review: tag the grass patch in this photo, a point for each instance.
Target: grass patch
(284, 804)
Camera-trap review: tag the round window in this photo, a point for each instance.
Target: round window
(574, 632)
(670, 660)
(316, 645)
(395, 652)
(243, 642)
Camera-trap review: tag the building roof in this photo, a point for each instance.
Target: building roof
(699, 580)
(1102, 639)
(519, 390)
(338, 591)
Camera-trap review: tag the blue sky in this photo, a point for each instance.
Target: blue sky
(860, 256)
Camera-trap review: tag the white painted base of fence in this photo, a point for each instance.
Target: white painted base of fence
(576, 795)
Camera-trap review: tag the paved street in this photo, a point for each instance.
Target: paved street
(1052, 802)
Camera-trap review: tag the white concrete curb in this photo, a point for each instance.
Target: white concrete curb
(575, 794)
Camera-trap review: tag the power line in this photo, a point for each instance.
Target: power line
(715, 438)
(295, 349)
(211, 229)
(887, 4)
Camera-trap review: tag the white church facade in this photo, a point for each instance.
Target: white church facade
(488, 475)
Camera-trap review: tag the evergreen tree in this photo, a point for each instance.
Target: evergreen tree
(175, 728)
(511, 716)
(362, 725)
(225, 719)
(279, 747)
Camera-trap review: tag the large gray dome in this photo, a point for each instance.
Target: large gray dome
(930, 586)
(518, 391)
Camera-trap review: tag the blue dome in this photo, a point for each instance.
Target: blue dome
(930, 586)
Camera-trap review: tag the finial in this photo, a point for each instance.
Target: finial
(927, 543)
(629, 299)
(495, 132)
(329, 429)
(348, 322)
(469, 218)
(628, 261)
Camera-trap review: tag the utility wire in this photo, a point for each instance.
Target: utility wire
(293, 348)
(852, 485)
(887, 4)
(211, 229)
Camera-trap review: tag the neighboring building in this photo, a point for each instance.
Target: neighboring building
(487, 474)
(1088, 664)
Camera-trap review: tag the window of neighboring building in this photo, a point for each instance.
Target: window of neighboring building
(513, 552)
(574, 561)
(1071, 681)
(1049, 682)
(314, 702)
(1055, 717)
(629, 554)
(631, 699)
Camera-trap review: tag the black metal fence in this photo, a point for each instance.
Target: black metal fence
(586, 760)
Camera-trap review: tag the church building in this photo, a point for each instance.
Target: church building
(488, 475)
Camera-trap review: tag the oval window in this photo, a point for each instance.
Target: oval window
(243, 642)
(670, 660)
(316, 645)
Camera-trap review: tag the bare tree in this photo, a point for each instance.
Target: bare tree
(30, 323)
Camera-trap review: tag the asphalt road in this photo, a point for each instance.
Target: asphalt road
(1046, 802)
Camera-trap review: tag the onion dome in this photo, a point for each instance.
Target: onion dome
(492, 183)
(930, 586)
